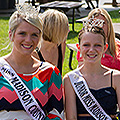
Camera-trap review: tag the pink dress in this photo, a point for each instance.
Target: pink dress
(108, 60)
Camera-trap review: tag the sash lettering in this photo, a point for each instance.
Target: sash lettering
(28, 101)
(86, 97)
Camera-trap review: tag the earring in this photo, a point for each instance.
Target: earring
(80, 55)
(103, 55)
(78, 47)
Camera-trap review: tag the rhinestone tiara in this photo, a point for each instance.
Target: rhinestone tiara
(28, 10)
(93, 22)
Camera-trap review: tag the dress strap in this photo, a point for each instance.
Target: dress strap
(39, 54)
(111, 77)
(59, 65)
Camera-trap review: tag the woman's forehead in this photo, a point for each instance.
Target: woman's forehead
(91, 35)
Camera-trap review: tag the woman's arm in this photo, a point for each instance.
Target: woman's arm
(70, 100)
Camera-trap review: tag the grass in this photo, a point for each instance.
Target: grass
(72, 38)
(4, 39)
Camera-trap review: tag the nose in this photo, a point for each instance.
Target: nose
(28, 38)
(91, 48)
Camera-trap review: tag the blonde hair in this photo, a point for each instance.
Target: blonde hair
(18, 16)
(55, 26)
(111, 34)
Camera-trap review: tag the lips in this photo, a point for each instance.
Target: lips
(91, 56)
(27, 46)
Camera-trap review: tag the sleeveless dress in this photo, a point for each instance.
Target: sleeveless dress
(106, 97)
(46, 86)
(60, 57)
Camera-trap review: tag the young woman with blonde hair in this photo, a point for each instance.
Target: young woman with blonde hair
(55, 31)
(28, 85)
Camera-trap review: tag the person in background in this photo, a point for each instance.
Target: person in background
(111, 57)
(92, 90)
(55, 31)
(28, 87)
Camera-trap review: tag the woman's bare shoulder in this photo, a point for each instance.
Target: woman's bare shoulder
(66, 78)
(114, 71)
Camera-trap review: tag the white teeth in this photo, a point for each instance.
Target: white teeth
(92, 56)
(25, 46)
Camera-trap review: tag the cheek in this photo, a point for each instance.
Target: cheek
(84, 49)
(101, 50)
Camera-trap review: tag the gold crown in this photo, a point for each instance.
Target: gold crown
(93, 22)
(28, 10)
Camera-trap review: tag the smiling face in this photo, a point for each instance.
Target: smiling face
(92, 47)
(25, 39)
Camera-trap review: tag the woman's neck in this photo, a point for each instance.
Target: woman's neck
(49, 52)
(22, 60)
(92, 69)
(23, 64)
(47, 46)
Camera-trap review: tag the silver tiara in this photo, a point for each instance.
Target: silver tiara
(28, 10)
(93, 22)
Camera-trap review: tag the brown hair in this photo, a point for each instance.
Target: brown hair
(94, 29)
